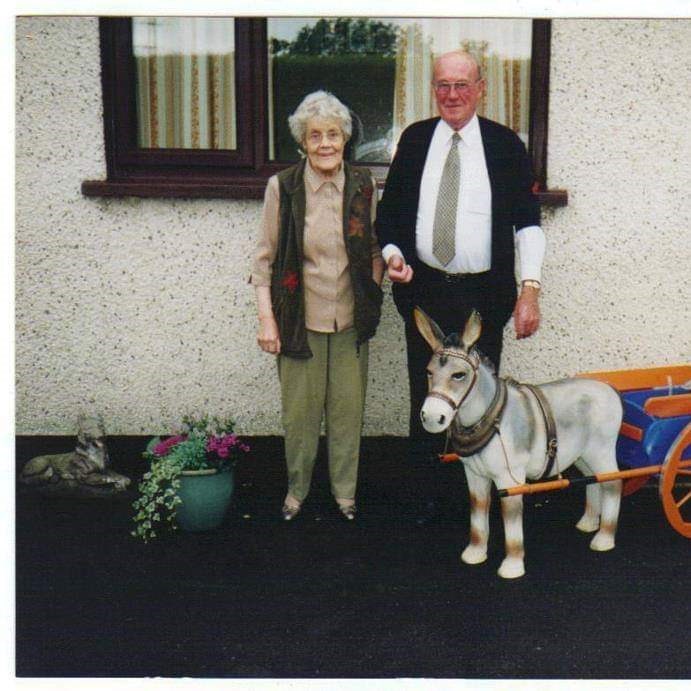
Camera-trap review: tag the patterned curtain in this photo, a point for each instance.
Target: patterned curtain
(185, 82)
(412, 98)
(504, 56)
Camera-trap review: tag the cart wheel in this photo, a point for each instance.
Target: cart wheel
(675, 484)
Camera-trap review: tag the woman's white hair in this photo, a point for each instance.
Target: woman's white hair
(319, 104)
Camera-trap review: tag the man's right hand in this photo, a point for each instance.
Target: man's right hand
(398, 270)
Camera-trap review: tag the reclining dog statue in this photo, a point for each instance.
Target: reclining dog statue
(80, 473)
(505, 433)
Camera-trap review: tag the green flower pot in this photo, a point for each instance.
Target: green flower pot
(205, 496)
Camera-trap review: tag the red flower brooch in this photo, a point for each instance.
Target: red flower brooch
(290, 281)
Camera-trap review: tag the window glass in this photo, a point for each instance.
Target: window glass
(185, 82)
(382, 69)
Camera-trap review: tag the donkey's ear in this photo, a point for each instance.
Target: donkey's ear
(428, 329)
(471, 332)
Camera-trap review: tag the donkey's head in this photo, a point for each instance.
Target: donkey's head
(451, 372)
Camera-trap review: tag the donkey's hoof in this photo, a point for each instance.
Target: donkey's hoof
(474, 555)
(602, 542)
(588, 524)
(511, 568)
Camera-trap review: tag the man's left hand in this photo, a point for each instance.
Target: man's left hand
(526, 313)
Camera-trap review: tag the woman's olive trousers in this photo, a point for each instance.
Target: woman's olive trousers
(332, 383)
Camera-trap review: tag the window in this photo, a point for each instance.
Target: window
(185, 82)
(382, 69)
(197, 107)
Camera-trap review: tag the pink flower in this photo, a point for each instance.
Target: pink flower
(164, 447)
(222, 446)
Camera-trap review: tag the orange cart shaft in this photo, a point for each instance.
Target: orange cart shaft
(563, 483)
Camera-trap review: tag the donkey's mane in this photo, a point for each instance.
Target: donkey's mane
(453, 340)
(486, 361)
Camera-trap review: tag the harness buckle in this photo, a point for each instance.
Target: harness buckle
(551, 448)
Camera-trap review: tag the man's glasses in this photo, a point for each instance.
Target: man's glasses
(444, 88)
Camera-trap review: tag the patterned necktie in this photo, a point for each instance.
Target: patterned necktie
(444, 233)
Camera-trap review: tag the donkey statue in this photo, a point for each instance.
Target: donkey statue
(505, 433)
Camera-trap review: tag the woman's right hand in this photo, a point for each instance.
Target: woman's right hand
(267, 336)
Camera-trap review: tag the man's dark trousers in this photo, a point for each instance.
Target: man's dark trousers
(449, 302)
(514, 206)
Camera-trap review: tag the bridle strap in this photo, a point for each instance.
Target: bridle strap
(474, 363)
(469, 440)
(447, 399)
(550, 430)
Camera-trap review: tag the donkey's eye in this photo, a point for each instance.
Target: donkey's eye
(429, 373)
(458, 376)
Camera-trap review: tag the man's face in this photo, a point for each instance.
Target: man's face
(457, 89)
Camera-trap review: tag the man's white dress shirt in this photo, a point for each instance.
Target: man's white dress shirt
(473, 211)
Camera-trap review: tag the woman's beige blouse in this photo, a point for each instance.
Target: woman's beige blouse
(326, 278)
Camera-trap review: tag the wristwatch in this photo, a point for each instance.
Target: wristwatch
(531, 284)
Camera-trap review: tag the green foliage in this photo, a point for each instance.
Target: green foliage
(158, 499)
(203, 443)
(363, 82)
(341, 36)
(207, 425)
(189, 454)
(353, 58)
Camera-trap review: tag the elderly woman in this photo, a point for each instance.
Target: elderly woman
(317, 274)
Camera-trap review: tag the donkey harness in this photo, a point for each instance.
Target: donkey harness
(470, 440)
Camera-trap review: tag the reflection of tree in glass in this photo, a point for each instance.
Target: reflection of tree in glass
(354, 58)
(339, 36)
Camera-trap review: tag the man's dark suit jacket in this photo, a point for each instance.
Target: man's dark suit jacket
(513, 203)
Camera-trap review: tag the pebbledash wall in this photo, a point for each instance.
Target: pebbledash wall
(139, 309)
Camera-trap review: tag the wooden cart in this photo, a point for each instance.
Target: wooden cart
(655, 439)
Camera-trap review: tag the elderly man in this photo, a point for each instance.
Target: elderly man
(456, 205)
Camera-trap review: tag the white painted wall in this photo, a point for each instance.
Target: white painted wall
(139, 309)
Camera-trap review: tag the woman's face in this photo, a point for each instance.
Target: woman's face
(324, 143)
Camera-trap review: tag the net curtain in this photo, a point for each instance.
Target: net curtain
(185, 82)
(502, 47)
(186, 90)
